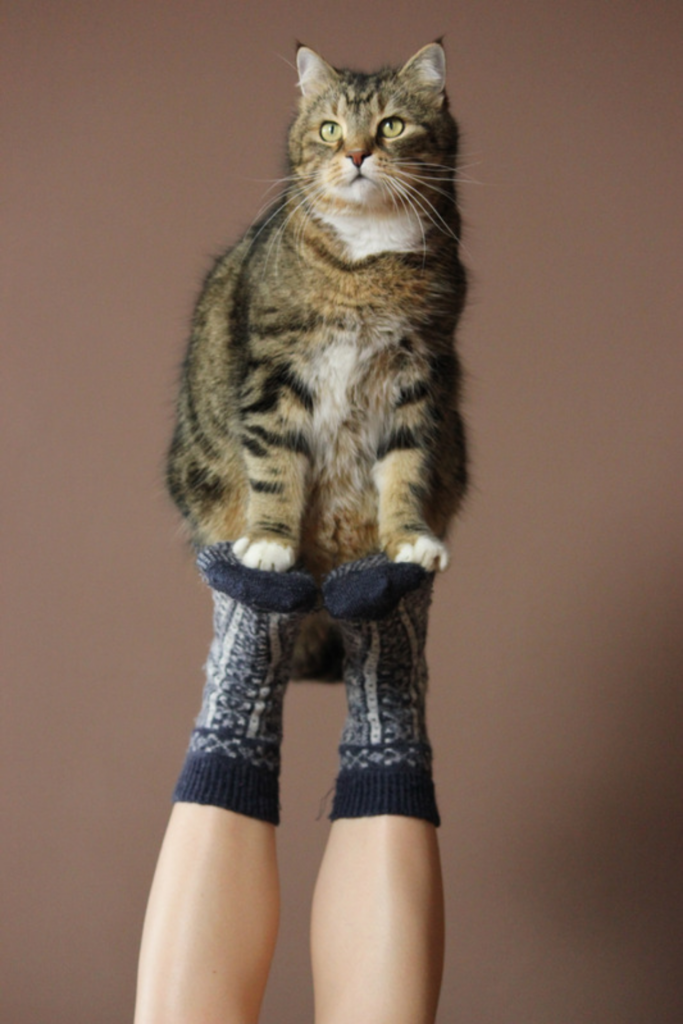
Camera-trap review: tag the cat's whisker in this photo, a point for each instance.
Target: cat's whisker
(297, 176)
(440, 172)
(276, 240)
(287, 62)
(421, 199)
(296, 183)
(300, 234)
(280, 182)
(462, 180)
(473, 163)
(439, 223)
(298, 239)
(265, 207)
(410, 178)
(456, 174)
(423, 172)
(427, 177)
(409, 207)
(444, 175)
(385, 186)
(412, 207)
(302, 180)
(411, 200)
(283, 200)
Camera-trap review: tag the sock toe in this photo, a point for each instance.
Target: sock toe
(292, 591)
(370, 588)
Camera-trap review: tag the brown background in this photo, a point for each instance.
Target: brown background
(139, 137)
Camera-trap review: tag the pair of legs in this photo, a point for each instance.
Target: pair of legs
(377, 928)
(377, 923)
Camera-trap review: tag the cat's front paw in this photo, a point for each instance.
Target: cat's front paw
(426, 551)
(264, 554)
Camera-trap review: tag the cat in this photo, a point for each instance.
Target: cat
(319, 411)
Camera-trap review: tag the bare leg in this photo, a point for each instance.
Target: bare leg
(211, 921)
(377, 932)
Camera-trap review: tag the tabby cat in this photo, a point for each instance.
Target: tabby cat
(318, 418)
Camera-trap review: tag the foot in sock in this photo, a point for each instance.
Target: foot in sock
(233, 760)
(385, 754)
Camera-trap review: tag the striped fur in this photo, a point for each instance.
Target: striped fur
(318, 416)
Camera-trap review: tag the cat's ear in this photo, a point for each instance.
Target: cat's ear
(315, 74)
(427, 69)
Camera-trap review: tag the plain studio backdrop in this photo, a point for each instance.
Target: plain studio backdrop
(139, 139)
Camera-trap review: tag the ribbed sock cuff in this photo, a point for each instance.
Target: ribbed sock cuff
(231, 784)
(366, 793)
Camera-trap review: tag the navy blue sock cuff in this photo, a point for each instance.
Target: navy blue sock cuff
(366, 793)
(292, 591)
(234, 785)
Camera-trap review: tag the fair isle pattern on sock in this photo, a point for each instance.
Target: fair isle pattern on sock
(385, 754)
(233, 760)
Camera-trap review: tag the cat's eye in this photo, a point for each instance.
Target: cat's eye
(391, 127)
(330, 131)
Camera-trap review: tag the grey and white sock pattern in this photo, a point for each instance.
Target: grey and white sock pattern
(233, 759)
(386, 682)
(385, 753)
(246, 676)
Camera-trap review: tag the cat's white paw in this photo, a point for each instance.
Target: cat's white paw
(264, 554)
(426, 551)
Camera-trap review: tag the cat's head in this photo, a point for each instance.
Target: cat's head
(374, 143)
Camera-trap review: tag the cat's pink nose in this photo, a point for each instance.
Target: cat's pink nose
(358, 156)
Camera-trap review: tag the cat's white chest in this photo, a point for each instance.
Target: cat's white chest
(368, 234)
(348, 416)
(335, 373)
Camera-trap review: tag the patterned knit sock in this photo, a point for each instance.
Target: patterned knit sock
(385, 754)
(233, 759)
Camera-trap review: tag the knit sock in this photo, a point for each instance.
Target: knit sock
(233, 760)
(385, 754)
